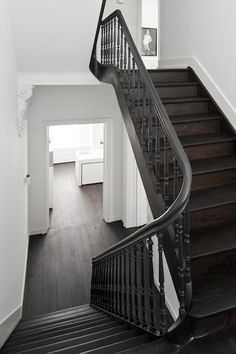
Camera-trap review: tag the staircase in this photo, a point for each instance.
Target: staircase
(209, 142)
(77, 330)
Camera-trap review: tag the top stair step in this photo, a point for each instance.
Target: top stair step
(170, 75)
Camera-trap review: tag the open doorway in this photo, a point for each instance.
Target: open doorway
(76, 174)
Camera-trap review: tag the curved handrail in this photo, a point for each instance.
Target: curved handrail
(181, 201)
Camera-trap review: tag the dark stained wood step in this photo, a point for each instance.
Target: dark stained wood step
(215, 296)
(213, 240)
(56, 319)
(189, 118)
(207, 173)
(47, 335)
(57, 343)
(213, 197)
(170, 75)
(91, 345)
(178, 100)
(177, 89)
(68, 326)
(205, 139)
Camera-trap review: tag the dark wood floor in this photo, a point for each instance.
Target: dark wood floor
(59, 264)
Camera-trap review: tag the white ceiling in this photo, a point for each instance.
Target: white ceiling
(54, 39)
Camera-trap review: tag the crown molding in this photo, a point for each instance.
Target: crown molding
(24, 93)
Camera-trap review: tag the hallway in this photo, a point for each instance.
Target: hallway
(59, 263)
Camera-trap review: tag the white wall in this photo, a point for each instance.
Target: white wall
(13, 192)
(150, 19)
(66, 105)
(204, 30)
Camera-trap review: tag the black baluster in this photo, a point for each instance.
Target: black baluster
(137, 291)
(143, 291)
(166, 171)
(129, 72)
(118, 283)
(115, 283)
(158, 155)
(123, 283)
(131, 283)
(181, 268)
(125, 62)
(187, 245)
(127, 289)
(118, 45)
(162, 286)
(115, 41)
(152, 298)
(102, 44)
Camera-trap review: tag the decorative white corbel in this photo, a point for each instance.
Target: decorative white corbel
(24, 93)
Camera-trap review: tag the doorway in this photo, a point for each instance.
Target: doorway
(76, 174)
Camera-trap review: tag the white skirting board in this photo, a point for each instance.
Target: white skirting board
(9, 324)
(222, 101)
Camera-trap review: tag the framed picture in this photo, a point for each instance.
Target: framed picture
(149, 41)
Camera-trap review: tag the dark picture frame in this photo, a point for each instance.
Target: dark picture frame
(149, 42)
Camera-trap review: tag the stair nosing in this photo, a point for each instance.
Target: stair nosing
(182, 99)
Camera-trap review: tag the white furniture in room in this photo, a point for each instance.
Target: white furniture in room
(89, 167)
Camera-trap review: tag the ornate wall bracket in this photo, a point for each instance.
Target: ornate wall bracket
(24, 93)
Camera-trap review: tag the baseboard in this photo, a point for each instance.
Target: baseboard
(113, 218)
(9, 324)
(219, 97)
(36, 232)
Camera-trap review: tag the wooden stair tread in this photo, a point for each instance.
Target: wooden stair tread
(197, 117)
(175, 83)
(161, 70)
(213, 197)
(214, 296)
(213, 164)
(194, 140)
(209, 241)
(191, 99)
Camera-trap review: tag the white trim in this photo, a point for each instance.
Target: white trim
(222, 101)
(8, 325)
(36, 232)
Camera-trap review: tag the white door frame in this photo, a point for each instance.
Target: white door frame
(107, 165)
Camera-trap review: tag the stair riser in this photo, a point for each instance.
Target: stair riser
(207, 180)
(186, 108)
(215, 179)
(169, 76)
(213, 216)
(213, 323)
(193, 128)
(209, 150)
(212, 265)
(177, 91)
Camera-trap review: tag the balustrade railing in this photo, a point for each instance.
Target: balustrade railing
(124, 280)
